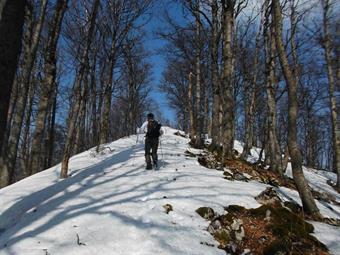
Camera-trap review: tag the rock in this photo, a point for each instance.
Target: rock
(237, 223)
(267, 218)
(206, 213)
(240, 177)
(228, 176)
(240, 234)
(216, 224)
(211, 229)
(168, 208)
(268, 196)
(238, 229)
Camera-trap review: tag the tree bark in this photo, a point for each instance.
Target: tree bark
(198, 88)
(227, 97)
(215, 123)
(105, 126)
(11, 26)
(191, 108)
(327, 44)
(306, 196)
(32, 36)
(274, 146)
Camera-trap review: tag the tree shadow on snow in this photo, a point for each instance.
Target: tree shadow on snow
(22, 215)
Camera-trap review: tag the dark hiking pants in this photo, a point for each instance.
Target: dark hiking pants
(151, 146)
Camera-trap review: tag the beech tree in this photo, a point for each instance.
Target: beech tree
(11, 27)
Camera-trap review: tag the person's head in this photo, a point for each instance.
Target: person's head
(150, 116)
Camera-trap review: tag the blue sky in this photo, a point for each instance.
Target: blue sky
(153, 44)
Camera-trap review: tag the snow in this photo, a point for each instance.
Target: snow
(255, 152)
(115, 206)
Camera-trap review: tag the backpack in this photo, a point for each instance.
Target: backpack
(153, 129)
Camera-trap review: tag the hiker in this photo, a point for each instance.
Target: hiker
(152, 130)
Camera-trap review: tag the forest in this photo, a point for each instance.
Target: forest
(77, 74)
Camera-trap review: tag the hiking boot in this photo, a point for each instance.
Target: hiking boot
(149, 167)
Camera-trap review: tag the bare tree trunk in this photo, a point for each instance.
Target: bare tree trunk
(80, 143)
(215, 123)
(227, 80)
(105, 126)
(93, 88)
(31, 42)
(50, 145)
(274, 146)
(331, 88)
(306, 196)
(191, 109)
(48, 87)
(73, 121)
(198, 88)
(11, 26)
(26, 131)
(132, 93)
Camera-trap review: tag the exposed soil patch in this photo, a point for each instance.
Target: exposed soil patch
(269, 229)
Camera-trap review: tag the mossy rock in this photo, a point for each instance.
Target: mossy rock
(235, 209)
(222, 236)
(206, 213)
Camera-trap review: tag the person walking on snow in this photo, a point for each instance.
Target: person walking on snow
(152, 130)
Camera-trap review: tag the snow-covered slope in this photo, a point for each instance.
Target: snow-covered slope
(112, 205)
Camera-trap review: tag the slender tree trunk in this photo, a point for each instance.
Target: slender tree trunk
(191, 108)
(74, 121)
(26, 131)
(93, 88)
(306, 196)
(105, 126)
(11, 110)
(48, 87)
(274, 147)
(215, 123)
(50, 146)
(11, 26)
(198, 88)
(31, 42)
(80, 141)
(227, 80)
(327, 44)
